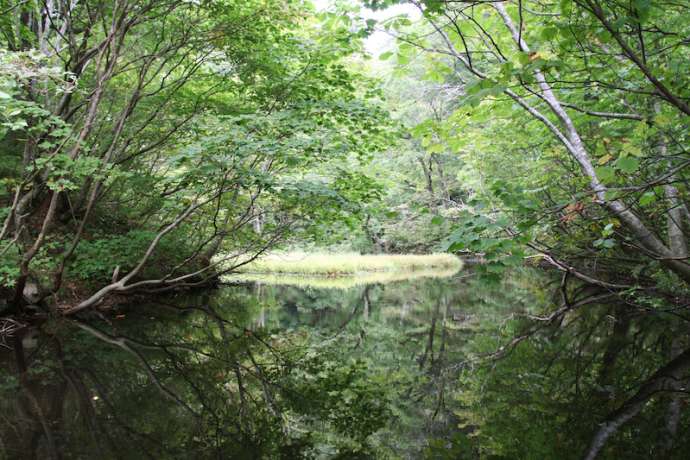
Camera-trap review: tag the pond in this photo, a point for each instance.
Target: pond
(431, 367)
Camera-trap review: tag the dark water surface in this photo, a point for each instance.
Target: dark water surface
(427, 368)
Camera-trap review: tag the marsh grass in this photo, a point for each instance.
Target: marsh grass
(341, 281)
(322, 264)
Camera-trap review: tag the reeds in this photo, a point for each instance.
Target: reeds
(323, 264)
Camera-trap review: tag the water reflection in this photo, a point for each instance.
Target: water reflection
(436, 368)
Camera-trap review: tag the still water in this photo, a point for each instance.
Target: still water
(432, 367)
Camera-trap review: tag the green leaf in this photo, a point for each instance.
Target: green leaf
(385, 56)
(627, 165)
(604, 243)
(523, 58)
(566, 7)
(642, 8)
(605, 159)
(662, 120)
(605, 173)
(548, 33)
(647, 198)
(632, 149)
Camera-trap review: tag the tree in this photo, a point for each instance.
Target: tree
(603, 85)
(142, 138)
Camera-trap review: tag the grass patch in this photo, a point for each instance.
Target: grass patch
(342, 281)
(322, 264)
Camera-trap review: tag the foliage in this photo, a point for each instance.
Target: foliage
(566, 123)
(187, 129)
(99, 257)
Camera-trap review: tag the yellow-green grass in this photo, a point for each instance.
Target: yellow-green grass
(342, 281)
(324, 264)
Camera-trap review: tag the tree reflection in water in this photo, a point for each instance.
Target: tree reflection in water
(435, 368)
